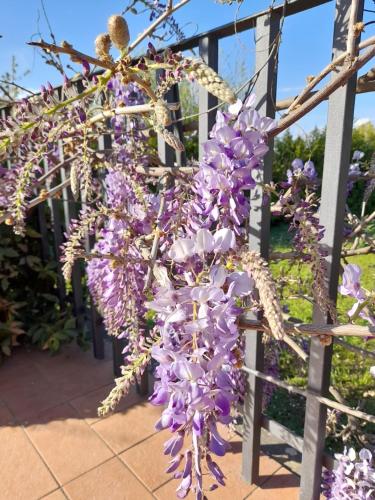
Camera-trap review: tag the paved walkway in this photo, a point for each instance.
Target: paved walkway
(53, 445)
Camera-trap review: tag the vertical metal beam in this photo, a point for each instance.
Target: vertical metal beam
(166, 153)
(332, 210)
(209, 52)
(42, 225)
(177, 127)
(259, 236)
(57, 228)
(71, 211)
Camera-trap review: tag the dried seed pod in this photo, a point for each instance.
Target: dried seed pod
(103, 46)
(43, 195)
(257, 268)
(210, 80)
(162, 113)
(172, 140)
(325, 340)
(74, 180)
(118, 31)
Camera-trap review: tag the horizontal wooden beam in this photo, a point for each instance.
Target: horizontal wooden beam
(347, 330)
(306, 392)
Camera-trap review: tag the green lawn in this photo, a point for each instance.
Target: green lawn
(350, 371)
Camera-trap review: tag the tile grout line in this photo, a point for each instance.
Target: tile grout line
(266, 481)
(116, 455)
(34, 447)
(139, 479)
(163, 484)
(21, 422)
(87, 471)
(50, 493)
(257, 487)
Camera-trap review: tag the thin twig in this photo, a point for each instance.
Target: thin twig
(357, 350)
(351, 48)
(325, 71)
(292, 255)
(361, 226)
(168, 11)
(155, 243)
(365, 83)
(339, 81)
(296, 348)
(309, 393)
(347, 330)
(69, 50)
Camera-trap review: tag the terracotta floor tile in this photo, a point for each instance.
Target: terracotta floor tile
(147, 462)
(66, 442)
(236, 488)
(123, 430)
(77, 380)
(74, 372)
(29, 394)
(55, 495)
(23, 473)
(87, 405)
(283, 485)
(111, 480)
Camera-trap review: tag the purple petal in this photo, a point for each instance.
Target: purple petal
(174, 445)
(174, 464)
(184, 487)
(215, 470)
(204, 241)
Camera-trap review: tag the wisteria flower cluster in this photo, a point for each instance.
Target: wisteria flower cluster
(172, 250)
(364, 300)
(353, 477)
(197, 300)
(297, 201)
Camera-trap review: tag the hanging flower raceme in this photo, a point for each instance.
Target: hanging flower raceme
(198, 350)
(353, 478)
(198, 298)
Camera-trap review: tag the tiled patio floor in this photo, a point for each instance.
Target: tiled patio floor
(53, 445)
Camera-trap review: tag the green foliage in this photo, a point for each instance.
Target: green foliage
(29, 307)
(287, 148)
(350, 371)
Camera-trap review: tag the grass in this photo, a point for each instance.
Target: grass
(350, 371)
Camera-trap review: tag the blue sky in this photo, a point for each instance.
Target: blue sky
(306, 43)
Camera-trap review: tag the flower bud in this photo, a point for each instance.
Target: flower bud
(118, 31)
(102, 46)
(162, 113)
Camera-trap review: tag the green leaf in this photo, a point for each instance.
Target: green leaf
(33, 261)
(32, 233)
(9, 252)
(50, 297)
(70, 323)
(4, 284)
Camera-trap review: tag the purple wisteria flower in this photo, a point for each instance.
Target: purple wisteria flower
(302, 170)
(351, 287)
(351, 282)
(352, 479)
(197, 295)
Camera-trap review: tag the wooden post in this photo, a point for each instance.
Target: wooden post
(332, 210)
(267, 28)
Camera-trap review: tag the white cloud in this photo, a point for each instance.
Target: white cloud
(361, 121)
